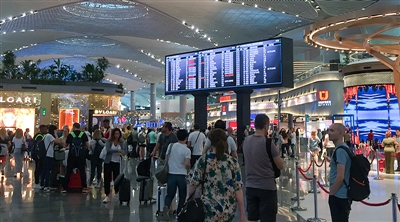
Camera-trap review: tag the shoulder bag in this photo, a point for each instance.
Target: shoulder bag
(163, 168)
(277, 172)
(193, 209)
(192, 145)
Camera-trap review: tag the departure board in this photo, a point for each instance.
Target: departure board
(261, 64)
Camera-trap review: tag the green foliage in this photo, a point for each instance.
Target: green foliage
(56, 74)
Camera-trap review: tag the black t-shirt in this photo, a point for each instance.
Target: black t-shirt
(164, 142)
(77, 132)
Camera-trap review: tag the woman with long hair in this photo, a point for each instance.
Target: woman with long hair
(222, 188)
(284, 138)
(115, 147)
(96, 145)
(18, 142)
(4, 145)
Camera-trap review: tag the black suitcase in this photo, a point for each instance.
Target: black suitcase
(125, 191)
(146, 191)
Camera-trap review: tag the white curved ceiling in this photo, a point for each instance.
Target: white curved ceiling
(137, 35)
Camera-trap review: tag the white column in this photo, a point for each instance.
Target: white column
(133, 101)
(182, 107)
(153, 106)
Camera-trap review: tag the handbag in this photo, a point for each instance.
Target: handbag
(193, 209)
(163, 169)
(103, 153)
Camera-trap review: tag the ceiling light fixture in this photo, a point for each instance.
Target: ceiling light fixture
(269, 8)
(256, 5)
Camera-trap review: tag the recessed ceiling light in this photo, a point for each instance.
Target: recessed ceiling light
(270, 8)
(242, 3)
(297, 15)
(183, 22)
(256, 5)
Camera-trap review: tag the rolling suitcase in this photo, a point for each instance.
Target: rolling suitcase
(161, 194)
(146, 190)
(125, 191)
(75, 180)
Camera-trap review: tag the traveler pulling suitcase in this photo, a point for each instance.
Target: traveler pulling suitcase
(161, 193)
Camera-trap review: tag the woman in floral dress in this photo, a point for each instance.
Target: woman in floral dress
(222, 191)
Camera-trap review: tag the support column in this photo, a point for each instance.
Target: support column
(133, 101)
(290, 121)
(153, 106)
(242, 111)
(200, 109)
(45, 103)
(182, 107)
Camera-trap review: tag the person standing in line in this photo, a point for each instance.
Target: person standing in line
(27, 136)
(398, 149)
(151, 140)
(261, 192)
(96, 146)
(339, 203)
(370, 138)
(293, 141)
(389, 150)
(115, 148)
(38, 162)
(232, 147)
(196, 140)
(19, 142)
(107, 128)
(142, 142)
(284, 138)
(49, 141)
(133, 140)
(179, 163)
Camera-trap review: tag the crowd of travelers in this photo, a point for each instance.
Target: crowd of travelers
(199, 159)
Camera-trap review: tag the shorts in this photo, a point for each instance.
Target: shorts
(261, 204)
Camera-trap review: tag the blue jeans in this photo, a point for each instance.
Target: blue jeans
(292, 146)
(174, 181)
(45, 177)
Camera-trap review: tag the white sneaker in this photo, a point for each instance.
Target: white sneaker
(36, 186)
(112, 183)
(46, 189)
(106, 200)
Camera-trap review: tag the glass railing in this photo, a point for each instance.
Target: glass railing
(328, 67)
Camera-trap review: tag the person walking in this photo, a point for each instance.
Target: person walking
(339, 203)
(261, 192)
(178, 157)
(115, 147)
(196, 141)
(222, 188)
(49, 140)
(19, 143)
(96, 146)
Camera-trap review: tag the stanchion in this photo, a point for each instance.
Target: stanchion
(394, 207)
(377, 166)
(315, 219)
(297, 197)
(326, 175)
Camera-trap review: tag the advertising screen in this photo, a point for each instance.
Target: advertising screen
(68, 117)
(13, 118)
(262, 64)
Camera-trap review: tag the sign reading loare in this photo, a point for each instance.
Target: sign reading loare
(14, 99)
(105, 112)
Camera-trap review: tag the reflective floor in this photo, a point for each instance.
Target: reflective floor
(20, 202)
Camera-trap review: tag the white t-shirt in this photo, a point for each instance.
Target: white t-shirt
(49, 145)
(115, 156)
(231, 144)
(176, 159)
(294, 139)
(197, 146)
(18, 142)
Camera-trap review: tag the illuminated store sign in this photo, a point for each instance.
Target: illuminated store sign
(105, 112)
(323, 96)
(224, 98)
(223, 110)
(13, 99)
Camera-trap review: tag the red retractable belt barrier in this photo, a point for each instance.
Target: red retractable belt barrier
(307, 168)
(300, 170)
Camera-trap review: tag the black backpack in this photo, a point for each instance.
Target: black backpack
(277, 172)
(76, 145)
(142, 138)
(358, 188)
(97, 149)
(129, 141)
(38, 148)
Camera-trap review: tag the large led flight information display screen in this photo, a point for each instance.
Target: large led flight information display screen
(261, 64)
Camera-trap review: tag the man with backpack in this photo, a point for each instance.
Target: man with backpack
(133, 140)
(77, 143)
(37, 149)
(142, 142)
(339, 202)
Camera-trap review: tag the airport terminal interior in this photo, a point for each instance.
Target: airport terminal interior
(142, 64)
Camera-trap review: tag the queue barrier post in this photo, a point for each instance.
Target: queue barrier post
(394, 207)
(297, 197)
(377, 166)
(315, 219)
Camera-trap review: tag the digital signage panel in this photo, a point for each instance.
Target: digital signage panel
(261, 64)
